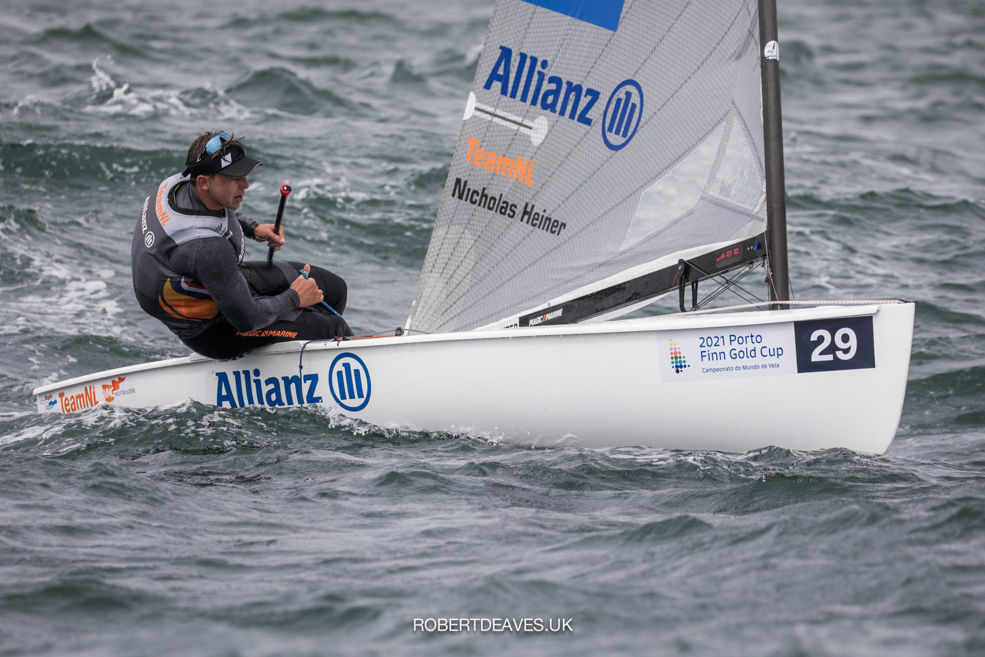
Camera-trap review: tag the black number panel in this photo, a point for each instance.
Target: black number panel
(827, 345)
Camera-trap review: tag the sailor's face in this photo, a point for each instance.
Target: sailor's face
(224, 192)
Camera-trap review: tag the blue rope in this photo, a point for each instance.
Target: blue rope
(301, 271)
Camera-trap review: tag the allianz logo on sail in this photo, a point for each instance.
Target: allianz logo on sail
(571, 100)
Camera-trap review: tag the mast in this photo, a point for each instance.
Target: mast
(776, 205)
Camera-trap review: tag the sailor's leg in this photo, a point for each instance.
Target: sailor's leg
(273, 278)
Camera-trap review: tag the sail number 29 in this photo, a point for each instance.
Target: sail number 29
(826, 345)
(845, 341)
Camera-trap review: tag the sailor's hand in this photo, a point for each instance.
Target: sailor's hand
(307, 289)
(265, 233)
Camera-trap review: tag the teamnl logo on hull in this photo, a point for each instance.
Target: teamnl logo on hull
(524, 77)
(349, 382)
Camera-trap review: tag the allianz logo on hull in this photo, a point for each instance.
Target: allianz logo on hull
(528, 82)
(348, 382)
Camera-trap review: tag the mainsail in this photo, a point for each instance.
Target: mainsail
(603, 141)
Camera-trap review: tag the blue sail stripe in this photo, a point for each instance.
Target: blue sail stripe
(604, 13)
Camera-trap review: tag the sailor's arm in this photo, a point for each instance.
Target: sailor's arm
(214, 265)
(262, 232)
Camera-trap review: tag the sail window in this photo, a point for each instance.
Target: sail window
(739, 178)
(676, 193)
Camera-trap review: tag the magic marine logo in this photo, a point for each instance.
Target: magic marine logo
(525, 78)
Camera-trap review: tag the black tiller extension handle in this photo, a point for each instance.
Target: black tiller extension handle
(285, 190)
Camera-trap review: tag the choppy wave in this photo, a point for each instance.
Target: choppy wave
(283, 89)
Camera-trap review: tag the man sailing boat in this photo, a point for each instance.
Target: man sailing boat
(188, 268)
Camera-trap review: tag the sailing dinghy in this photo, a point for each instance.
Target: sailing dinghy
(611, 152)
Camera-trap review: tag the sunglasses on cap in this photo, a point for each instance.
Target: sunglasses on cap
(233, 163)
(214, 144)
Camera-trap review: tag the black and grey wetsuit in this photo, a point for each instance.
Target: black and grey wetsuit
(188, 272)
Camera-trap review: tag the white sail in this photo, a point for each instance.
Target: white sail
(599, 138)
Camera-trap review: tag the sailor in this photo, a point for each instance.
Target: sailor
(188, 269)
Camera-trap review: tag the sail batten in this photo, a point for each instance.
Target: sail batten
(588, 152)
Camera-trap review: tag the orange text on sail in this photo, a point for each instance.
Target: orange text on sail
(519, 168)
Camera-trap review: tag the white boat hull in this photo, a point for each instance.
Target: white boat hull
(730, 382)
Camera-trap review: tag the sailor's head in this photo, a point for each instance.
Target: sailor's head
(217, 152)
(218, 166)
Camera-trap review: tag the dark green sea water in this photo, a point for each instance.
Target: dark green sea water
(196, 532)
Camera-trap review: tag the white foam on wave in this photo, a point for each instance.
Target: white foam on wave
(31, 432)
(100, 80)
(336, 189)
(140, 103)
(72, 297)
